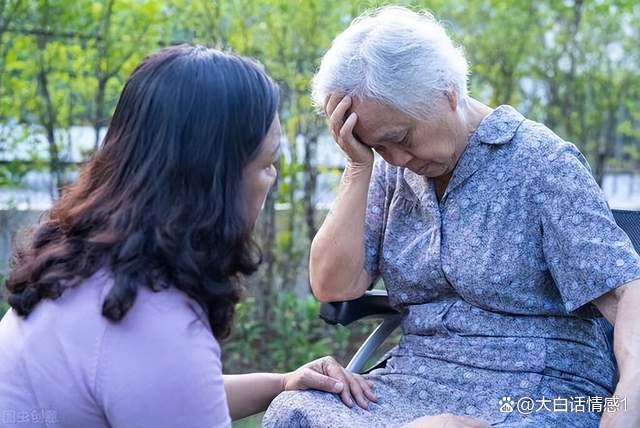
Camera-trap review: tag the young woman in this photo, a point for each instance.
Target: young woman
(122, 292)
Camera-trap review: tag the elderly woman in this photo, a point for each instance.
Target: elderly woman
(490, 235)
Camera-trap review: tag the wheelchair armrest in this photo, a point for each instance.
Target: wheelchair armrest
(374, 304)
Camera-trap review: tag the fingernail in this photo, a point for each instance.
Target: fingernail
(338, 386)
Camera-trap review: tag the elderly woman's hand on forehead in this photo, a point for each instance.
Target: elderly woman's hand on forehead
(336, 107)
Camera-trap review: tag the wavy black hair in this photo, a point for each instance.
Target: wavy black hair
(159, 204)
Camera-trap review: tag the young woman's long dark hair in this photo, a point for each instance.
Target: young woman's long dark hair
(159, 204)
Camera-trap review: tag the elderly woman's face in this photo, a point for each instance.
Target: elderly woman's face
(430, 148)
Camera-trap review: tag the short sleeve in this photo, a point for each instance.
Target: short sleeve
(374, 219)
(586, 252)
(161, 370)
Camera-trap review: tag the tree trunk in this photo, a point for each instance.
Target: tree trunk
(311, 178)
(99, 112)
(266, 286)
(48, 115)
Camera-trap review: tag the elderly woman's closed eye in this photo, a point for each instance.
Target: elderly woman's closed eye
(491, 236)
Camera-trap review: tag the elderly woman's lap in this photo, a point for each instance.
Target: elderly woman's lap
(315, 409)
(402, 398)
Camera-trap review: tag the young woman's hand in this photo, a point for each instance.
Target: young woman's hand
(326, 374)
(358, 154)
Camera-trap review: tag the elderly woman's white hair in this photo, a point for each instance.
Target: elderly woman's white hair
(394, 55)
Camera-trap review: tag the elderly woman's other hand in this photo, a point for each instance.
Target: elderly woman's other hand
(336, 108)
(447, 420)
(628, 414)
(326, 374)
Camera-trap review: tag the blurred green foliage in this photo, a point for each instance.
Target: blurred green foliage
(572, 64)
(297, 336)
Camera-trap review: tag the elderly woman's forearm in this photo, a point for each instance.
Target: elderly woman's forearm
(337, 251)
(626, 347)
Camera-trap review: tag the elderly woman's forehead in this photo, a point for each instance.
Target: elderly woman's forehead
(374, 116)
(371, 106)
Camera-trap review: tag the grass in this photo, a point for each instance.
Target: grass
(3, 307)
(250, 422)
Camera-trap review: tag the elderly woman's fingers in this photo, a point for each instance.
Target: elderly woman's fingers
(336, 120)
(346, 132)
(358, 153)
(342, 132)
(330, 106)
(331, 103)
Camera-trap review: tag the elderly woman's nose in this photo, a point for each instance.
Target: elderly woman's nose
(401, 158)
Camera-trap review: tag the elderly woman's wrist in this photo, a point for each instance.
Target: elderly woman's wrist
(355, 170)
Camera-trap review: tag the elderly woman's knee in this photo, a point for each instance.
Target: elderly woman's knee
(299, 409)
(287, 410)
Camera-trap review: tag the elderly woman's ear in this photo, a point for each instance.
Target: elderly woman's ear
(452, 97)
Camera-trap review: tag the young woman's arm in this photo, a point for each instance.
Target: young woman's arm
(251, 393)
